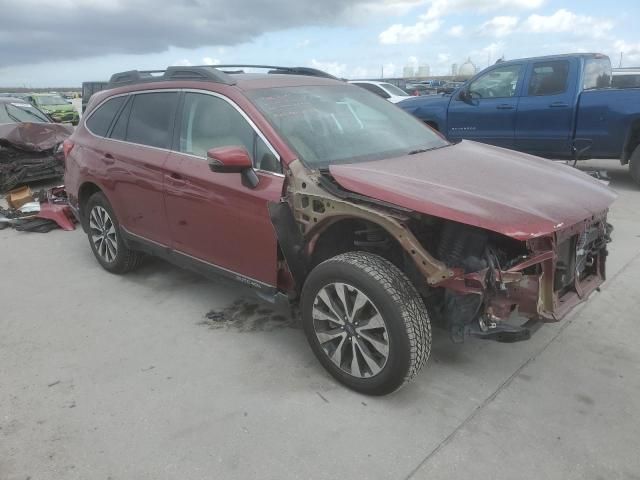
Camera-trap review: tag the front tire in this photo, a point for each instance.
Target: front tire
(105, 237)
(365, 322)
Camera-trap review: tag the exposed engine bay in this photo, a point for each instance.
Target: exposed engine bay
(474, 281)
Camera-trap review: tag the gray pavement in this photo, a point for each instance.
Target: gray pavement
(107, 377)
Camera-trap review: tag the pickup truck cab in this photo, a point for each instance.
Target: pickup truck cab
(559, 107)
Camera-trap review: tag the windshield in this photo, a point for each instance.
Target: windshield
(393, 90)
(327, 125)
(20, 112)
(51, 100)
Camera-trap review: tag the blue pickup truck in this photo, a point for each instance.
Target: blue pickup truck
(559, 107)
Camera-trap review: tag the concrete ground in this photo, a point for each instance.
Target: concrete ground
(107, 377)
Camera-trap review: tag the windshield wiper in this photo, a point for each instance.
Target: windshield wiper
(422, 150)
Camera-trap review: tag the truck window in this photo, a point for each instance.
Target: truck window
(549, 78)
(597, 73)
(498, 83)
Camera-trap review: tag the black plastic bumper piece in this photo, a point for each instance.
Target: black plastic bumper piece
(506, 333)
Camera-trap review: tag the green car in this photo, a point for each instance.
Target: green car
(59, 109)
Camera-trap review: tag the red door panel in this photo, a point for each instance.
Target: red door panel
(215, 218)
(136, 178)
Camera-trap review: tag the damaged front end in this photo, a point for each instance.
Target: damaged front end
(541, 279)
(29, 152)
(474, 281)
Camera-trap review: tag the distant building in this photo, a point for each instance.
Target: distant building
(424, 70)
(454, 69)
(467, 69)
(408, 71)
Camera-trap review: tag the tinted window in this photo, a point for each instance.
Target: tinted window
(101, 118)
(498, 83)
(597, 73)
(119, 131)
(626, 81)
(20, 112)
(151, 119)
(549, 78)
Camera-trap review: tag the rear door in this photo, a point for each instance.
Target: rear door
(488, 113)
(136, 152)
(544, 123)
(213, 217)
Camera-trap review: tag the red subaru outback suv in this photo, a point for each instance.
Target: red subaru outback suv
(306, 188)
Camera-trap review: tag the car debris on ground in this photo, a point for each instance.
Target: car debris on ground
(39, 212)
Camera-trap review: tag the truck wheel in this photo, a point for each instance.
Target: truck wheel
(634, 165)
(365, 322)
(105, 238)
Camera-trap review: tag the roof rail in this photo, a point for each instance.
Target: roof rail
(311, 72)
(204, 73)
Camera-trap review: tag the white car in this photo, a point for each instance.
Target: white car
(384, 89)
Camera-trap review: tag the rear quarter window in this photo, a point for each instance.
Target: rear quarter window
(100, 120)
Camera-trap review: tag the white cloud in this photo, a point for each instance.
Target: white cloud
(303, 43)
(440, 8)
(630, 53)
(456, 31)
(499, 26)
(184, 62)
(565, 21)
(210, 61)
(334, 68)
(399, 33)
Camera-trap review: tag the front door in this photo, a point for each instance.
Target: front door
(488, 111)
(213, 217)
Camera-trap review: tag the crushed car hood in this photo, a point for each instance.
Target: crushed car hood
(508, 192)
(34, 137)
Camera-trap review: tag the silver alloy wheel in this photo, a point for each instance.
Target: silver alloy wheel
(350, 330)
(103, 234)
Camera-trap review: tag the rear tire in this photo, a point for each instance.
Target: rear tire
(375, 335)
(105, 237)
(634, 165)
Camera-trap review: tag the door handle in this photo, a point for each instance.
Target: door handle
(558, 105)
(176, 180)
(504, 106)
(108, 159)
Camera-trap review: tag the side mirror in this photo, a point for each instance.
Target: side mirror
(463, 95)
(233, 159)
(229, 159)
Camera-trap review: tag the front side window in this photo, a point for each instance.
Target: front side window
(597, 73)
(151, 119)
(100, 120)
(211, 122)
(549, 78)
(335, 124)
(498, 83)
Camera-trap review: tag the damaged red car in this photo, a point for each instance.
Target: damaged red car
(315, 191)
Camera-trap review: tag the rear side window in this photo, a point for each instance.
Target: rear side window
(101, 118)
(549, 78)
(597, 73)
(119, 130)
(151, 119)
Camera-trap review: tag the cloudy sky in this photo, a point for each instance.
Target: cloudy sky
(63, 42)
